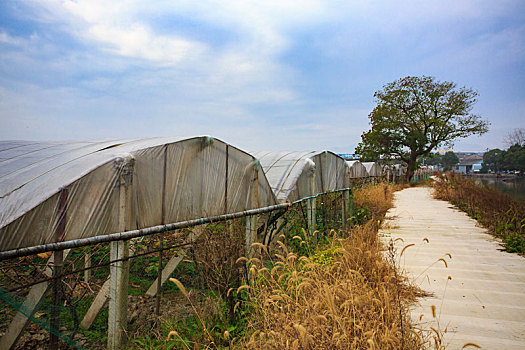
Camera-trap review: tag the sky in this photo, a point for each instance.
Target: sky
(261, 75)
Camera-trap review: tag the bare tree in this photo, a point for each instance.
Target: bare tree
(516, 136)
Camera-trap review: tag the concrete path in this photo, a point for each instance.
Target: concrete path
(480, 294)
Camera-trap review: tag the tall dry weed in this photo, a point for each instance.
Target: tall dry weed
(495, 210)
(346, 296)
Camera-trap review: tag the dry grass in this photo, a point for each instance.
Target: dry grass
(345, 296)
(496, 211)
(377, 198)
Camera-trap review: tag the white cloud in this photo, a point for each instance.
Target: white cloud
(124, 66)
(139, 42)
(7, 39)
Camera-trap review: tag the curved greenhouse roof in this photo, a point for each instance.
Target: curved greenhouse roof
(374, 169)
(356, 169)
(167, 180)
(295, 175)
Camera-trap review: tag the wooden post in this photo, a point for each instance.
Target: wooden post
(119, 271)
(96, 306)
(251, 221)
(311, 209)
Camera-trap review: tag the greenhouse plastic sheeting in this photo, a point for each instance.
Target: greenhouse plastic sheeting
(295, 175)
(331, 172)
(373, 169)
(357, 169)
(92, 181)
(395, 169)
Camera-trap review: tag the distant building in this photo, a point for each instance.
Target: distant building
(469, 163)
(347, 156)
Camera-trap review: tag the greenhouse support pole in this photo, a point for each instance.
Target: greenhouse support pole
(251, 221)
(119, 271)
(311, 209)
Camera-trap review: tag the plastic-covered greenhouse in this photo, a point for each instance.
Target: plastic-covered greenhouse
(295, 175)
(155, 201)
(356, 169)
(374, 169)
(57, 191)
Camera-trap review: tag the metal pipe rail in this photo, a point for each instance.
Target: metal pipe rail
(148, 231)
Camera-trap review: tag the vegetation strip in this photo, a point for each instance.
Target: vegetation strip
(500, 214)
(335, 290)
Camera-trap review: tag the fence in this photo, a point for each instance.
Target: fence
(105, 290)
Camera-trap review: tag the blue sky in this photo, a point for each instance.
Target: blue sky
(283, 74)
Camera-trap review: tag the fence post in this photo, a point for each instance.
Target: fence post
(311, 209)
(346, 199)
(346, 208)
(119, 271)
(251, 221)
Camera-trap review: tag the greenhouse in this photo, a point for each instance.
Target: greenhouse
(374, 169)
(356, 169)
(393, 172)
(59, 191)
(296, 175)
(100, 211)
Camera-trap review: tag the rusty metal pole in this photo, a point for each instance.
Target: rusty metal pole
(56, 299)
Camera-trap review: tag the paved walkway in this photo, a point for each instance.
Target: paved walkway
(480, 296)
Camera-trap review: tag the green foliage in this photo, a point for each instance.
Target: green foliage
(361, 215)
(326, 256)
(414, 115)
(511, 159)
(494, 159)
(515, 243)
(449, 161)
(514, 158)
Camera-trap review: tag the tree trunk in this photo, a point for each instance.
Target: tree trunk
(411, 166)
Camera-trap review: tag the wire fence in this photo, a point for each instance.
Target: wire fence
(63, 299)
